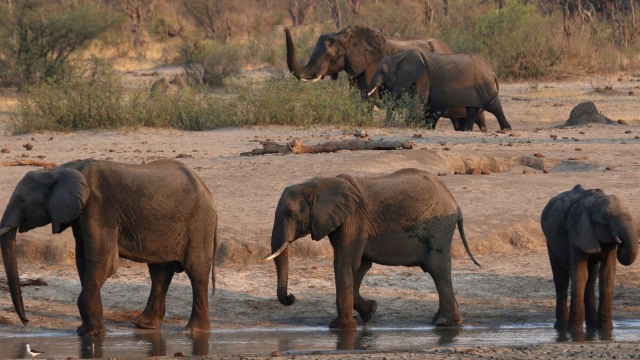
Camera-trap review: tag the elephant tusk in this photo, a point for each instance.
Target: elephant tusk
(319, 77)
(618, 240)
(372, 91)
(275, 254)
(5, 230)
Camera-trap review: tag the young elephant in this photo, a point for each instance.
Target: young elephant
(443, 81)
(585, 230)
(406, 218)
(161, 214)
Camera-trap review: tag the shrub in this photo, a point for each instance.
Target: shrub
(210, 62)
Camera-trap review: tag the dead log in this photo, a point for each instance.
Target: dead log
(44, 164)
(27, 282)
(296, 147)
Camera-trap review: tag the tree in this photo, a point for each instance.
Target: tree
(206, 14)
(37, 37)
(138, 11)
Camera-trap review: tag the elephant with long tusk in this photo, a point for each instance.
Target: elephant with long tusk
(406, 218)
(161, 214)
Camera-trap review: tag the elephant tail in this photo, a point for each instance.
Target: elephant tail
(464, 238)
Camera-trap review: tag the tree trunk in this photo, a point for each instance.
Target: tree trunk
(565, 19)
(296, 147)
(335, 13)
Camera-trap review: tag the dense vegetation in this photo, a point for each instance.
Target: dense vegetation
(49, 49)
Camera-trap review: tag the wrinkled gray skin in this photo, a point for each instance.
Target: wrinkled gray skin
(581, 227)
(161, 214)
(450, 80)
(357, 50)
(406, 218)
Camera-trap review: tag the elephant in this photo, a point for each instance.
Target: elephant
(406, 218)
(357, 50)
(585, 230)
(160, 213)
(443, 80)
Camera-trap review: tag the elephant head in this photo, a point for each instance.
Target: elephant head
(352, 49)
(315, 207)
(601, 219)
(397, 73)
(47, 196)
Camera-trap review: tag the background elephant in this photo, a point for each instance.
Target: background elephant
(357, 50)
(585, 230)
(405, 218)
(443, 80)
(161, 214)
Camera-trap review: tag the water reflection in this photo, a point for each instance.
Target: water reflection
(154, 343)
(581, 336)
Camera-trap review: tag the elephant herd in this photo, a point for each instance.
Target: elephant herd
(163, 214)
(459, 86)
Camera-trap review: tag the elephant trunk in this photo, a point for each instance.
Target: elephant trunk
(280, 255)
(628, 247)
(292, 64)
(8, 246)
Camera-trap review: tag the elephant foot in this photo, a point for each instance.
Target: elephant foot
(89, 330)
(451, 320)
(560, 325)
(605, 326)
(366, 310)
(340, 323)
(483, 129)
(196, 325)
(144, 321)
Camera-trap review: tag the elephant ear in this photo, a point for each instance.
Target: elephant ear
(365, 47)
(411, 68)
(68, 196)
(335, 200)
(580, 230)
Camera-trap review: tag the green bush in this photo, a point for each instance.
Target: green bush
(100, 102)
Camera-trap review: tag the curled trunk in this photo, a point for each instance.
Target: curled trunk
(628, 250)
(8, 245)
(292, 64)
(282, 266)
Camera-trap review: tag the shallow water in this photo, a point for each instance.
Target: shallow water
(141, 343)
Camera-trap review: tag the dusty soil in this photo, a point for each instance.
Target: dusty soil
(501, 211)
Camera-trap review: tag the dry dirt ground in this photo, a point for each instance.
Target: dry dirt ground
(501, 212)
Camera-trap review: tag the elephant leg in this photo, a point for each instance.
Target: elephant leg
(153, 314)
(590, 313)
(607, 275)
(365, 308)
(198, 272)
(96, 263)
(343, 268)
(561, 282)
(471, 117)
(438, 265)
(579, 275)
(457, 123)
(496, 109)
(481, 122)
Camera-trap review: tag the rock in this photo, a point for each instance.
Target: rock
(417, 136)
(525, 171)
(545, 171)
(578, 149)
(25, 155)
(486, 172)
(608, 168)
(581, 132)
(442, 173)
(51, 138)
(276, 354)
(538, 155)
(181, 156)
(28, 146)
(112, 150)
(5, 151)
(631, 92)
(473, 172)
(41, 156)
(554, 137)
(446, 148)
(503, 131)
(586, 112)
(628, 132)
(179, 354)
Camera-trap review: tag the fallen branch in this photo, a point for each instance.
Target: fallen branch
(27, 282)
(296, 147)
(44, 164)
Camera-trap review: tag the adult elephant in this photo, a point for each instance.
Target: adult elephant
(357, 50)
(443, 81)
(586, 230)
(161, 214)
(406, 218)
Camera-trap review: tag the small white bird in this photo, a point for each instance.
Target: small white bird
(33, 353)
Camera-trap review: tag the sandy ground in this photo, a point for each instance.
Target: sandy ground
(502, 211)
